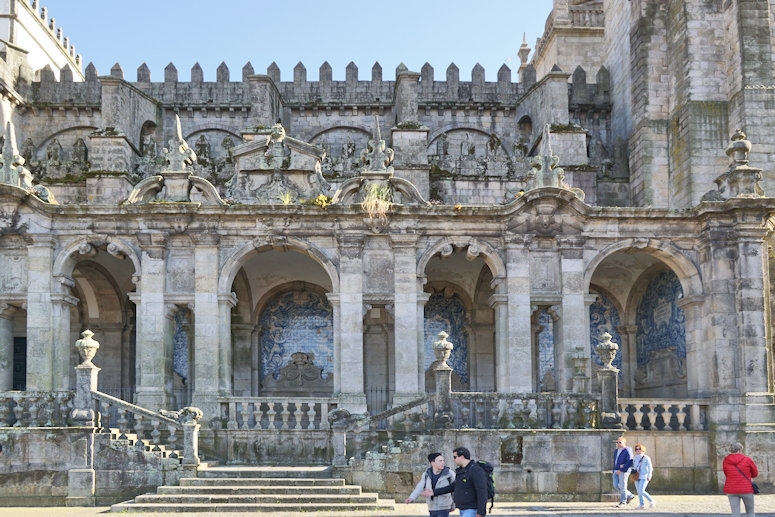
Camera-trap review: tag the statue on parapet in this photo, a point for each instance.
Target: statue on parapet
(13, 171)
(545, 171)
(377, 156)
(178, 154)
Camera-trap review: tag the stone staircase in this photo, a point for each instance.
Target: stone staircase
(258, 489)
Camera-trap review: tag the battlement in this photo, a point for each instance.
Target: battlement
(300, 93)
(38, 25)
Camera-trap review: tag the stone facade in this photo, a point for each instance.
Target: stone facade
(227, 239)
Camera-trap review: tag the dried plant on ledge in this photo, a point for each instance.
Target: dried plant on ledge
(377, 201)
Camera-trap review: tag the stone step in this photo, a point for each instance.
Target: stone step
(262, 484)
(246, 481)
(261, 499)
(379, 506)
(252, 489)
(245, 471)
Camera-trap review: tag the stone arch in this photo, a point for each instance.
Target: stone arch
(357, 127)
(479, 268)
(148, 139)
(77, 131)
(446, 245)
(652, 353)
(233, 264)
(96, 274)
(665, 252)
(66, 260)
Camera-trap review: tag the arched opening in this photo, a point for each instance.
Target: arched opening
(282, 326)
(461, 287)
(102, 282)
(637, 302)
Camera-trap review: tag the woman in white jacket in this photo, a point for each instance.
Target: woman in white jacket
(641, 464)
(436, 476)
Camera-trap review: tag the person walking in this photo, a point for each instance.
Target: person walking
(438, 475)
(470, 486)
(621, 472)
(739, 470)
(642, 469)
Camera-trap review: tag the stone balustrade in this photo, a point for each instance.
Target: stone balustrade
(664, 414)
(157, 431)
(524, 410)
(276, 412)
(35, 409)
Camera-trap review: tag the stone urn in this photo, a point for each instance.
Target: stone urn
(87, 347)
(606, 350)
(442, 349)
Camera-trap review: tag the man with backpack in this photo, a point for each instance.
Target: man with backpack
(437, 476)
(470, 486)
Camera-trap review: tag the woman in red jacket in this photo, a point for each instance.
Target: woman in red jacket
(739, 470)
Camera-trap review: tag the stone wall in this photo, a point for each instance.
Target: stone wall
(557, 465)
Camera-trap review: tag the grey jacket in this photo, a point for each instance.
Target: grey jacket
(436, 502)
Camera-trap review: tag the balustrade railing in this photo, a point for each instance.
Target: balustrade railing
(163, 432)
(524, 410)
(664, 414)
(35, 408)
(304, 413)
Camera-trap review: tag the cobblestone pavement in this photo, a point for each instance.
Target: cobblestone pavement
(667, 506)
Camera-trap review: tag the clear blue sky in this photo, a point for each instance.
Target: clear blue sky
(157, 32)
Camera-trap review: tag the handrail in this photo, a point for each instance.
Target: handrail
(137, 410)
(184, 420)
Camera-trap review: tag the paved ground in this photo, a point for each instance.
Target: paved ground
(667, 506)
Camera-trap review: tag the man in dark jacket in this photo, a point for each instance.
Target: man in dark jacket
(470, 486)
(622, 466)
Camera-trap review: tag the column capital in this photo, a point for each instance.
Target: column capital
(205, 239)
(228, 299)
(404, 240)
(7, 310)
(497, 299)
(350, 244)
(64, 299)
(154, 244)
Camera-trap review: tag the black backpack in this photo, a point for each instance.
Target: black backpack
(489, 470)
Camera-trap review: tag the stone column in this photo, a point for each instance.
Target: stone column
(60, 329)
(350, 324)
(629, 351)
(514, 355)
(422, 300)
(751, 286)
(408, 345)
(211, 368)
(334, 299)
(575, 313)
(152, 323)
(7, 312)
(40, 345)
(500, 306)
(696, 351)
